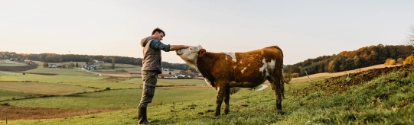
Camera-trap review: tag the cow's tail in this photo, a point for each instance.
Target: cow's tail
(282, 79)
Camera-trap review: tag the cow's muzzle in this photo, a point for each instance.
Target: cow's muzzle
(178, 52)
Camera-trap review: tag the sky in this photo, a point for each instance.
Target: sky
(303, 29)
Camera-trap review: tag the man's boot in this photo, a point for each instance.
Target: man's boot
(142, 116)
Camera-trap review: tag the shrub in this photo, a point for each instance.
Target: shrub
(45, 64)
(400, 61)
(295, 75)
(287, 77)
(390, 61)
(408, 60)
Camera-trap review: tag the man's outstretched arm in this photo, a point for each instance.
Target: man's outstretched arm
(156, 44)
(177, 47)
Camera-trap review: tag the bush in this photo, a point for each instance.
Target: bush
(408, 60)
(287, 77)
(71, 65)
(5, 104)
(45, 64)
(390, 61)
(400, 61)
(295, 75)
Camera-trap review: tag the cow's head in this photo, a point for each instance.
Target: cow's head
(190, 54)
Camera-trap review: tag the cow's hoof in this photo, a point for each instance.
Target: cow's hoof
(280, 112)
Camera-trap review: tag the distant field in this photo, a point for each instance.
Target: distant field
(120, 67)
(59, 71)
(9, 95)
(71, 77)
(11, 63)
(43, 88)
(127, 98)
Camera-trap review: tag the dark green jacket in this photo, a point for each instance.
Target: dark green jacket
(152, 54)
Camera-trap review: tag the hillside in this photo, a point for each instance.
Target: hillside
(327, 74)
(349, 60)
(372, 96)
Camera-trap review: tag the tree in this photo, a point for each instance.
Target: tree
(287, 77)
(408, 60)
(76, 64)
(390, 61)
(71, 65)
(411, 37)
(113, 63)
(45, 64)
(400, 60)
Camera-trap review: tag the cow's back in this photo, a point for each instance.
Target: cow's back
(243, 69)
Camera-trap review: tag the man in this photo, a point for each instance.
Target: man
(151, 67)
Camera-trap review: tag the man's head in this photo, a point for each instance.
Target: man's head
(158, 33)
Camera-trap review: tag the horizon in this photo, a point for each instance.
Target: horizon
(302, 29)
(185, 63)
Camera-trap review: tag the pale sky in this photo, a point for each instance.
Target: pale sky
(302, 28)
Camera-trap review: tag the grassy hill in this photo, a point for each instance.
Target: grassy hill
(370, 96)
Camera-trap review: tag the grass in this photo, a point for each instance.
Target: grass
(120, 67)
(43, 88)
(10, 95)
(74, 78)
(127, 98)
(11, 63)
(60, 71)
(388, 99)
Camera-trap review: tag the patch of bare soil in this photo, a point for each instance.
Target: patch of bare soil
(17, 68)
(342, 83)
(116, 79)
(48, 74)
(13, 112)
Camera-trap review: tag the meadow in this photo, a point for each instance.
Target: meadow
(386, 99)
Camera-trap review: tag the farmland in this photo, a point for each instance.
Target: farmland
(74, 96)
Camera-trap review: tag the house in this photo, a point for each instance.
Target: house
(167, 76)
(54, 65)
(92, 67)
(14, 59)
(97, 61)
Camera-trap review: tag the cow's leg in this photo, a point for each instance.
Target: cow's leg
(220, 95)
(277, 90)
(227, 99)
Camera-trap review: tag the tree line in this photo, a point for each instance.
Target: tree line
(345, 60)
(52, 57)
(348, 60)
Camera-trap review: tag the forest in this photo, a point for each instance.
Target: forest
(348, 60)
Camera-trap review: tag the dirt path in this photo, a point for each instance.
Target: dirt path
(380, 66)
(91, 72)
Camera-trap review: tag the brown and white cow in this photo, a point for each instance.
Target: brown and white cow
(240, 69)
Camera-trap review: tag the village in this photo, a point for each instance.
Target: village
(99, 66)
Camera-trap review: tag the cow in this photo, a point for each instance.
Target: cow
(237, 69)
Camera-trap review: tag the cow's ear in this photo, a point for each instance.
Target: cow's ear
(201, 52)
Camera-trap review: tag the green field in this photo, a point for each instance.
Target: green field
(126, 98)
(388, 99)
(74, 76)
(43, 88)
(120, 67)
(10, 95)
(11, 63)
